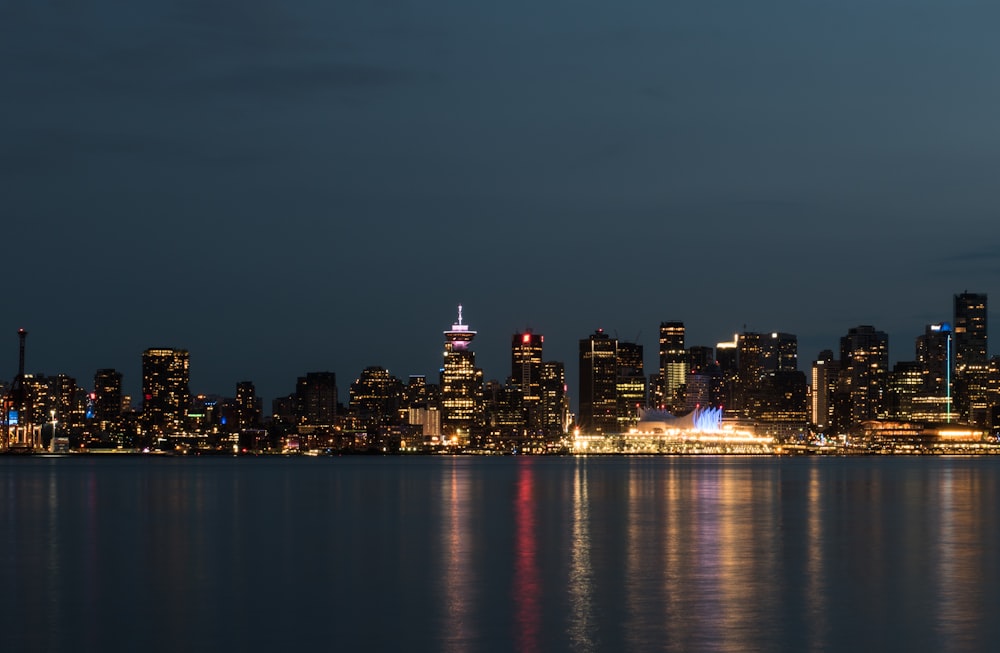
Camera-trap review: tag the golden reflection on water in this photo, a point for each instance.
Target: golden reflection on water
(815, 586)
(960, 552)
(458, 577)
(581, 574)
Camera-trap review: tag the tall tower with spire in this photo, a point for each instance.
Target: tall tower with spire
(461, 386)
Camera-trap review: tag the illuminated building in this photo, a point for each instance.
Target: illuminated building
(248, 406)
(461, 386)
(555, 401)
(630, 385)
(505, 417)
(971, 365)
(726, 355)
(673, 367)
(526, 376)
(933, 402)
(107, 400)
(779, 406)
(970, 330)
(375, 397)
(864, 365)
(165, 392)
(316, 399)
(824, 382)
(598, 378)
(905, 382)
(20, 433)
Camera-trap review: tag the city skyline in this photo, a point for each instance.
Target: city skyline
(131, 381)
(279, 188)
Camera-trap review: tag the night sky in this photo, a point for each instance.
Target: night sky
(283, 187)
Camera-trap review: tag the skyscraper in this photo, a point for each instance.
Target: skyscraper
(971, 359)
(824, 381)
(248, 406)
(165, 391)
(461, 385)
(316, 399)
(630, 385)
(864, 364)
(673, 365)
(107, 399)
(598, 377)
(970, 330)
(375, 397)
(526, 375)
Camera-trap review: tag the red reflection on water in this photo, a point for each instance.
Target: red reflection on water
(527, 594)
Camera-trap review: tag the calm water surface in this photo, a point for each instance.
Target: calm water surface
(500, 554)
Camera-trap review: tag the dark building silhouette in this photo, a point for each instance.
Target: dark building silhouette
(630, 386)
(248, 406)
(316, 399)
(376, 397)
(598, 377)
(864, 373)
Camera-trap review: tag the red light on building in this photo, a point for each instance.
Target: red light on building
(526, 338)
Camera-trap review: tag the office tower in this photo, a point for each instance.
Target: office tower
(165, 391)
(67, 400)
(673, 366)
(970, 330)
(248, 406)
(726, 355)
(864, 364)
(906, 381)
(780, 352)
(824, 381)
(375, 397)
(316, 399)
(971, 365)
(933, 351)
(699, 358)
(555, 402)
(630, 386)
(107, 399)
(779, 406)
(461, 386)
(505, 415)
(598, 377)
(526, 375)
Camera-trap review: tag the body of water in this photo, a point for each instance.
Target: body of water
(527, 554)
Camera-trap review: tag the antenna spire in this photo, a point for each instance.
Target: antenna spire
(459, 313)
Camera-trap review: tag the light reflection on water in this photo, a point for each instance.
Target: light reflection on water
(476, 554)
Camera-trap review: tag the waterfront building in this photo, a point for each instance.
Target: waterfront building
(165, 390)
(934, 354)
(107, 400)
(461, 386)
(526, 376)
(248, 406)
(598, 378)
(824, 381)
(673, 367)
(555, 400)
(630, 385)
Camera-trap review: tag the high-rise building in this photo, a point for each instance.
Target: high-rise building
(970, 330)
(630, 386)
(864, 365)
(165, 391)
(316, 399)
(248, 406)
(107, 399)
(781, 352)
(598, 377)
(906, 381)
(824, 382)
(971, 359)
(375, 397)
(555, 402)
(526, 375)
(461, 386)
(673, 366)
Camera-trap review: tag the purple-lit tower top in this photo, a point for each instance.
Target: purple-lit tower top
(459, 336)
